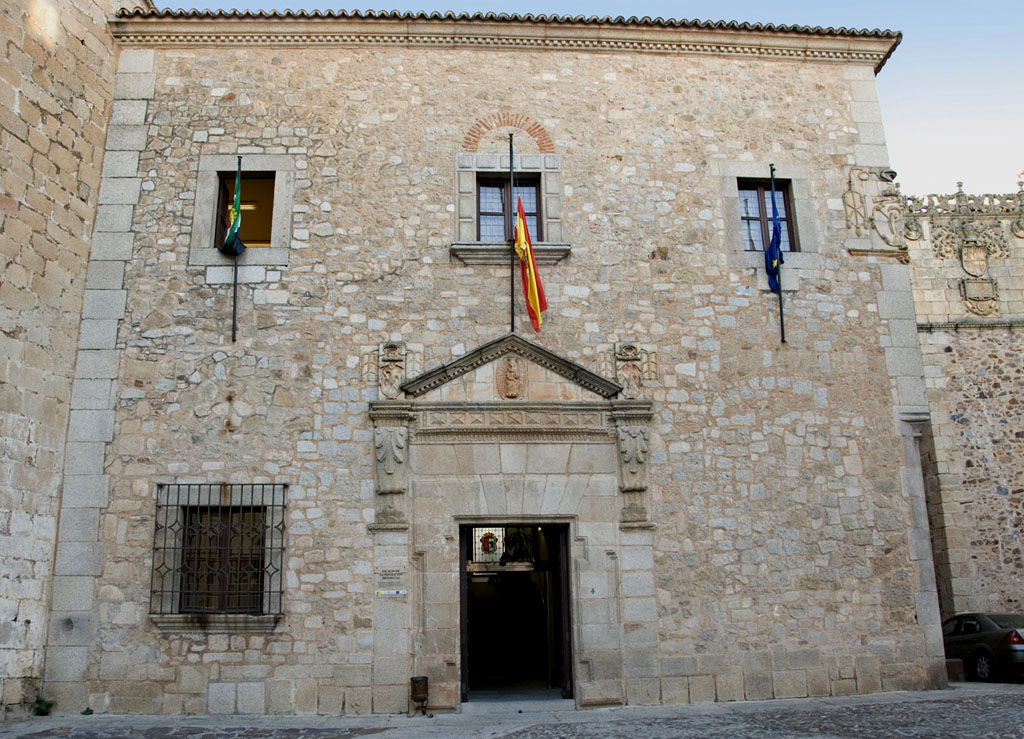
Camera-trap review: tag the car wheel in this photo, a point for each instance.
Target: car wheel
(982, 667)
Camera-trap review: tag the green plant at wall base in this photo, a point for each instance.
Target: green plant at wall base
(87, 711)
(41, 706)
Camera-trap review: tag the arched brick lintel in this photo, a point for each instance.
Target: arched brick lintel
(512, 120)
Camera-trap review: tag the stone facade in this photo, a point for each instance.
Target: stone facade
(56, 87)
(967, 260)
(746, 518)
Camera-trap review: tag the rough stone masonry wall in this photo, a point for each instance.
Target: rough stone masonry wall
(56, 85)
(975, 382)
(781, 529)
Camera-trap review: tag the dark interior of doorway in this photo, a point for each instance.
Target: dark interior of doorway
(515, 611)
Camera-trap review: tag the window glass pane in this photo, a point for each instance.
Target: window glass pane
(784, 244)
(257, 207)
(531, 226)
(780, 202)
(529, 195)
(491, 199)
(748, 204)
(492, 228)
(752, 240)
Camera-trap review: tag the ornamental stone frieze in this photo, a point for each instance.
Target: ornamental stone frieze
(972, 230)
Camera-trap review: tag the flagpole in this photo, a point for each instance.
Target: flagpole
(510, 232)
(782, 319)
(234, 294)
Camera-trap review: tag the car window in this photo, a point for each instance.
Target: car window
(949, 626)
(970, 626)
(1008, 620)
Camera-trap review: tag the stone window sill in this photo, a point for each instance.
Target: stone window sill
(215, 623)
(480, 252)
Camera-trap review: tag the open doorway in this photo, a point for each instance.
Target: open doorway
(516, 634)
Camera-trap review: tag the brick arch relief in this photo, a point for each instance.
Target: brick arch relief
(486, 132)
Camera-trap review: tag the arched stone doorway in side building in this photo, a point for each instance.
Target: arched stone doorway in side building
(538, 451)
(515, 610)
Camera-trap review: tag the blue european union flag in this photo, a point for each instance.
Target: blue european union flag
(773, 254)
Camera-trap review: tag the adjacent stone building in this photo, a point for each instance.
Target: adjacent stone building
(292, 486)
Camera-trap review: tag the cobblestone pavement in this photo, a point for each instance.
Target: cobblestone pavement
(968, 711)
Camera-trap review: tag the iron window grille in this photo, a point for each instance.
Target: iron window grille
(218, 549)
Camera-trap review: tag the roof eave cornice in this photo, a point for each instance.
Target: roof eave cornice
(506, 32)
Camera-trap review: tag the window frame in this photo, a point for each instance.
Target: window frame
(203, 243)
(763, 189)
(174, 604)
(545, 169)
(526, 180)
(225, 184)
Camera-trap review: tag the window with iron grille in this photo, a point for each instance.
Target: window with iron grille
(218, 549)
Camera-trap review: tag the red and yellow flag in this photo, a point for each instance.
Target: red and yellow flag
(534, 291)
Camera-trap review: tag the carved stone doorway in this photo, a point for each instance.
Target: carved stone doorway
(516, 630)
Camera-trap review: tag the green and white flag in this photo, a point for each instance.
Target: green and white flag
(233, 246)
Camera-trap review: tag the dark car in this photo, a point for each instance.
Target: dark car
(990, 644)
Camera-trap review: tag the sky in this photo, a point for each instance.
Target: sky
(952, 94)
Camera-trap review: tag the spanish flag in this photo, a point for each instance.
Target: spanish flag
(534, 291)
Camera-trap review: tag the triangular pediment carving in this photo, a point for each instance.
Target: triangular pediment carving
(514, 346)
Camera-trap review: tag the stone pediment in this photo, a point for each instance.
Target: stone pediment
(511, 368)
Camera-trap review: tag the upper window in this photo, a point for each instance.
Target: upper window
(257, 207)
(268, 192)
(494, 208)
(755, 200)
(218, 550)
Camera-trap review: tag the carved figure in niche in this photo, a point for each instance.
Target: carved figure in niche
(391, 370)
(510, 378)
(633, 457)
(390, 451)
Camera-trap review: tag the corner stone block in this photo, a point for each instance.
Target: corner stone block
(134, 86)
(78, 558)
(66, 664)
(128, 113)
(127, 138)
(98, 334)
(73, 593)
(79, 524)
(96, 394)
(135, 61)
(112, 245)
(114, 217)
(104, 304)
(120, 190)
(71, 629)
(97, 364)
(120, 164)
(85, 491)
(84, 458)
(871, 155)
(91, 426)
